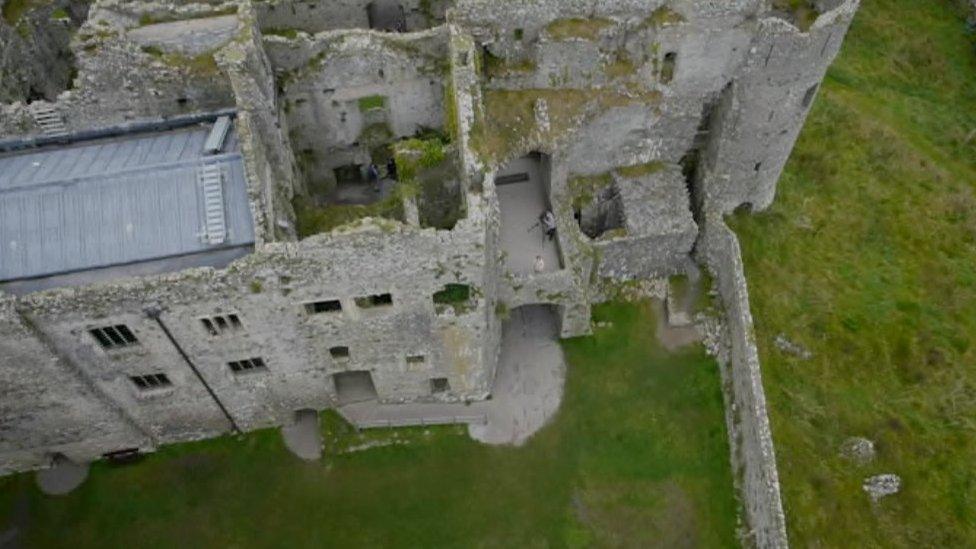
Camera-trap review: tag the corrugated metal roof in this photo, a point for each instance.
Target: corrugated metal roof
(111, 202)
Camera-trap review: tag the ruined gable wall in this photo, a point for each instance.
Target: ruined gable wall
(765, 108)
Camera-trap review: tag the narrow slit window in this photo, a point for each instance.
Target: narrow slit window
(415, 360)
(149, 382)
(669, 67)
(327, 306)
(114, 337)
(247, 365)
(340, 352)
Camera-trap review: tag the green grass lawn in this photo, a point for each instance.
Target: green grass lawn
(868, 258)
(636, 457)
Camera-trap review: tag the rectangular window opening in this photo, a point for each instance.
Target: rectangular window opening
(114, 337)
(222, 324)
(328, 306)
(439, 385)
(377, 300)
(414, 360)
(669, 67)
(149, 382)
(339, 352)
(247, 365)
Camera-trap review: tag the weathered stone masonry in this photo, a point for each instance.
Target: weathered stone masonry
(648, 120)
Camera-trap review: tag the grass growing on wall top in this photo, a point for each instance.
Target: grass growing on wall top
(868, 258)
(803, 12)
(577, 27)
(636, 457)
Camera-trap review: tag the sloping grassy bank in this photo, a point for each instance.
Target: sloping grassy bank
(868, 259)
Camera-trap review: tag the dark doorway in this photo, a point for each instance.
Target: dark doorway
(354, 387)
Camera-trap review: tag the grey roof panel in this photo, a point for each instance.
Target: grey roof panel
(112, 202)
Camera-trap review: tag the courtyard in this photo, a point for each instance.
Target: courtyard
(636, 456)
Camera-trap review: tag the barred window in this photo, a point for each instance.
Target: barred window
(248, 365)
(114, 337)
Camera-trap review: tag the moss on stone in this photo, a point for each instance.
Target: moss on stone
(314, 219)
(430, 167)
(13, 10)
(621, 67)
(577, 28)
(662, 17)
(640, 170)
(204, 64)
(802, 13)
(509, 116)
(499, 67)
(584, 188)
(290, 34)
(371, 102)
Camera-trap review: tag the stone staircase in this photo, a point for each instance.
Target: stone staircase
(48, 119)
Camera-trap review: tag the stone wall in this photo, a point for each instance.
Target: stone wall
(268, 291)
(127, 71)
(750, 436)
(280, 16)
(369, 89)
(48, 408)
(762, 112)
(35, 59)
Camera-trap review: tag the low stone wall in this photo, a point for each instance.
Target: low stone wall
(753, 456)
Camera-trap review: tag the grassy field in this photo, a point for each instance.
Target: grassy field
(636, 457)
(868, 258)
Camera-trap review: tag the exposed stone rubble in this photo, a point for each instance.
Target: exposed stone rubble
(858, 450)
(642, 122)
(792, 348)
(880, 486)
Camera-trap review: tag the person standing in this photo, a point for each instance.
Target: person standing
(373, 176)
(549, 223)
(391, 169)
(540, 264)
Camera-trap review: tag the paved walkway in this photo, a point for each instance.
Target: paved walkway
(529, 383)
(303, 438)
(62, 477)
(527, 391)
(521, 204)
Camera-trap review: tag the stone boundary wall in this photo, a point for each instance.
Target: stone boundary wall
(750, 436)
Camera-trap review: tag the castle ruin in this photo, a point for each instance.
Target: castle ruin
(192, 241)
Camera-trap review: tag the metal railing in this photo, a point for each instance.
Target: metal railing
(480, 419)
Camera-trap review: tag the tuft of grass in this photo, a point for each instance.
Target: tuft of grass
(509, 115)
(314, 219)
(371, 102)
(868, 256)
(662, 17)
(640, 170)
(637, 456)
(577, 28)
